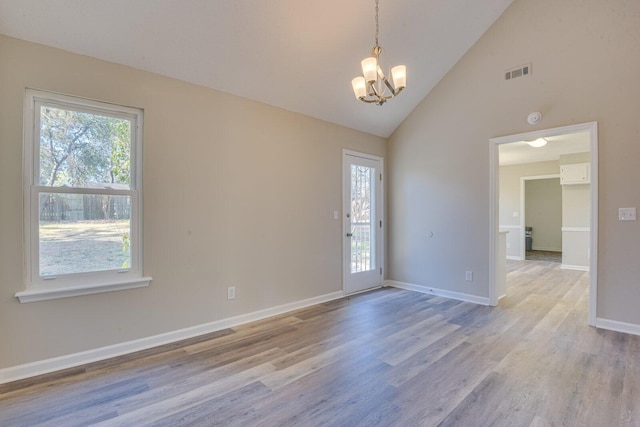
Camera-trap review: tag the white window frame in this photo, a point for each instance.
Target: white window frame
(37, 287)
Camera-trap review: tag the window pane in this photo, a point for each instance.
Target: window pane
(84, 232)
(362, 229)
(80, 149)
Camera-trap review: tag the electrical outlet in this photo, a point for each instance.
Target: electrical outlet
(231, 292)
(468, 276)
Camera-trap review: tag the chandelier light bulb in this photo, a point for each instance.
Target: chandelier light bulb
(370, 69)
(399, 76)
(359, 87)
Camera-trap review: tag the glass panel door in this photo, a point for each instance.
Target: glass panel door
(362, 222)
(362, 232)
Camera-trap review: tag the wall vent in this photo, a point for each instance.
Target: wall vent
(522, 71)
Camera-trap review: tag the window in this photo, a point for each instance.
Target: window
(82, 197)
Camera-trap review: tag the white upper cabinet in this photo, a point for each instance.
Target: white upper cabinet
(577, 173)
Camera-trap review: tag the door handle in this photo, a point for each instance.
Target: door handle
(349, 234)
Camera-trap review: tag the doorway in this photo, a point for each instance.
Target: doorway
(590, 245)
(362, 222)
(541, 208)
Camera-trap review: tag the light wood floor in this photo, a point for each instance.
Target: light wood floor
(388, 358)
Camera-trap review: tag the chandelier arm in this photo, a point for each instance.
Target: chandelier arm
(386, 82)
(373, 90)
(379, 93)
(375, 98)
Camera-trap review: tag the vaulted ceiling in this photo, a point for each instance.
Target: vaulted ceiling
(295, 54)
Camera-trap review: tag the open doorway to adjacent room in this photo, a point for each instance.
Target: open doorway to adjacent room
(544, 199)
(541, 212)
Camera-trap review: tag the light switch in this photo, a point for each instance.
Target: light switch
(335, 214)
(627, 214)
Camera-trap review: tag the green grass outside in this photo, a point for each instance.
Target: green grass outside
(82, 246)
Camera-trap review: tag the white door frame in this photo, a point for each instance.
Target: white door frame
(380, 210)
(523, 234)
(494, 143)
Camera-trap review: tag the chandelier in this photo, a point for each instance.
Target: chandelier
(374, 87)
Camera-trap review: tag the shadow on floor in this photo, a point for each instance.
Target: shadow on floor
(544, 256)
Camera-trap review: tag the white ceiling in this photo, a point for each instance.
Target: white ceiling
(294, 54)
(520, 152)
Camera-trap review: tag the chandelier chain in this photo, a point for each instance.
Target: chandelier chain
(377, 24)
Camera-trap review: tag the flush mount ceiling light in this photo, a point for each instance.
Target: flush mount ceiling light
(537, 143)
(374, 87)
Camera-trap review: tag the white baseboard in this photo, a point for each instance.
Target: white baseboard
(46, 366)
(574, 267)
(438, 292)
(614, 325)
(515, 258)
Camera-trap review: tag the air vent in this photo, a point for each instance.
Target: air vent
(525, 70)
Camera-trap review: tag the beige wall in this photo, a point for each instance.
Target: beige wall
(236, 193)
(576, 198)
(569, 159)
(576, 205)
(575, 250)
(543, 212)
(576, 217)
(509, 183)
(584, 59)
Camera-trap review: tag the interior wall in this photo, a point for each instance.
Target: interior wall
(568, 159)
(509, 184)
(576, 205)
(576, 218)
(543, 212)
(236, 193)
(584, 59)
(576, 198)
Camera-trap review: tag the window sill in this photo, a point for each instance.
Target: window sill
(33, 295)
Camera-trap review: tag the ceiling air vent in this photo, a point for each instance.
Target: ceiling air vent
(525, 70)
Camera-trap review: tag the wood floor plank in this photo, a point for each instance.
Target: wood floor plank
(216, 411)
(214, 382)
(160, 409)
(402, 350)
(389, 357)
(315, 398)
(280, 378)
(424, 359)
